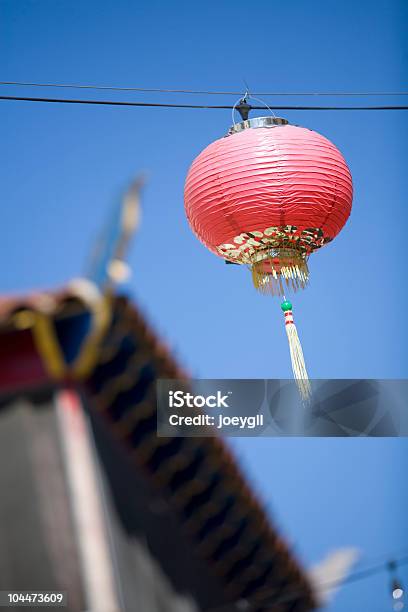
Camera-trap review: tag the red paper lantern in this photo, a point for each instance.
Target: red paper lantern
(268, 195)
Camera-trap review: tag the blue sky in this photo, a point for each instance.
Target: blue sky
(64, 166)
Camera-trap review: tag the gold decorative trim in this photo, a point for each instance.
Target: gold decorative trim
(41, 321)
(46, 341)
(87, 358)
(247, 246)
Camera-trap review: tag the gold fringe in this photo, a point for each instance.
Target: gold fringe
(280, 270)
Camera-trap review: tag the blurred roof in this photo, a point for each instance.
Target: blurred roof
(197, 477)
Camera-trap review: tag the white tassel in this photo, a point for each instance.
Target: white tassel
(296, 354)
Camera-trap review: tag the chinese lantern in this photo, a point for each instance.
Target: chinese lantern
(267, 196)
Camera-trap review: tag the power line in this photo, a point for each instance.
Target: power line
(201, 106)
(203, 92)
(269, 599)
(351, 578)
(367, 573)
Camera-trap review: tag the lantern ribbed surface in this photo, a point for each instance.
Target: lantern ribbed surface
(284, 185)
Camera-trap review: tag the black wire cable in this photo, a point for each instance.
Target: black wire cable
(201, 106)
(354, 577)
(270, 600)
(201, 92)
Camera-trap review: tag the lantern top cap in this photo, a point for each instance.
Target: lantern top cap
(257, 122)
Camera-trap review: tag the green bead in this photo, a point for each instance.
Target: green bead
(286, 306)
